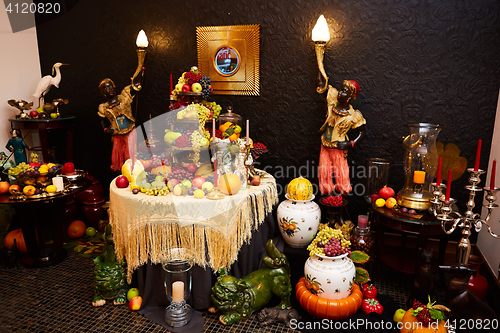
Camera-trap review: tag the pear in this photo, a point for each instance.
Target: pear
(170, 137)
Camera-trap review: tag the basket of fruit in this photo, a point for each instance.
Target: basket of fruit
(31, 174)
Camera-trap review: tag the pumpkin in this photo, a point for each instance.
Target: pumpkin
(18, 236)
(162, 170)
(229, 183)
(333, 309)
(299, 189)
(409, 323)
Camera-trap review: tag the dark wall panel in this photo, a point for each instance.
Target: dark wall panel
(416, 61)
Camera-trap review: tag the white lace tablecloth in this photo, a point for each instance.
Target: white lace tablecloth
(144, 226)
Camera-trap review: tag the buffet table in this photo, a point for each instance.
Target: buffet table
(144, 226)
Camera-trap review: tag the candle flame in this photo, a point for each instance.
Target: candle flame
(142, 39)
(320, 32)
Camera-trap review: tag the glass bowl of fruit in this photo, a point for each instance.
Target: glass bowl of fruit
(33, 173)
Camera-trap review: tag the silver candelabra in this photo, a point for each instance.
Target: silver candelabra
(442, 209)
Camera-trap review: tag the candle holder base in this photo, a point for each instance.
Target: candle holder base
(178, 314)
(215, 194)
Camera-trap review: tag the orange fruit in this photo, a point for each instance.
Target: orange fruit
(229, 184)
(390, 203)
(76, 229)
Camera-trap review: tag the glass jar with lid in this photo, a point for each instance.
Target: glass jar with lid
(230, 116)
(362, 239)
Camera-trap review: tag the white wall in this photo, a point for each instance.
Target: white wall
(19, 72)
(488, 245)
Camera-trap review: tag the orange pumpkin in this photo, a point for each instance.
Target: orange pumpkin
(333, 309)
(162, 170)
(76, 229)
(409, 323)
(229, 183)
(18, 236)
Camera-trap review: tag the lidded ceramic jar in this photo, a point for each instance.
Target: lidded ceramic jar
(329, 277)
(93, 210)
(298, 221)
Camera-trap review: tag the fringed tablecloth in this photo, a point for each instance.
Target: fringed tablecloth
(144, 226)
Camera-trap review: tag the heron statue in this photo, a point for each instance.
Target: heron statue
(47, 82)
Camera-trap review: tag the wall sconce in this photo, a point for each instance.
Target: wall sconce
(142, 44)
(321, 36)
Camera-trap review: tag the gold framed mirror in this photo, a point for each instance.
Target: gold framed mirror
(230, 56)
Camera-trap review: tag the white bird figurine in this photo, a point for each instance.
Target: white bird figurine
(47, 82)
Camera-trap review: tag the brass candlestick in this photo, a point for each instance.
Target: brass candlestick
(469, 219)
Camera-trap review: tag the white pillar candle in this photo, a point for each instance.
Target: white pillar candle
(248, 132)
(177, 291)
(58, 183)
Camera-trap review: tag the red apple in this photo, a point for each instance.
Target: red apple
(374, 197)
(135, 303)
(4, 187)
(255, 180)
(198, 181)
(186, 88)
(171, 183)
(33, 165)
(191, 167)
(14, 189)
(34, 114)
(121, 182)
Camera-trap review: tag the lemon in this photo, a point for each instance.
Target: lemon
(198, 194)
(380, 202)
(51, 189)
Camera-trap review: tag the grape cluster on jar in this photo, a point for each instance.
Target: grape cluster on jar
(180, 173)
(329, 242)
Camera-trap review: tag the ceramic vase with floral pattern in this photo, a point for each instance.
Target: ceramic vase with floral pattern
(298, 221)
(329, 277)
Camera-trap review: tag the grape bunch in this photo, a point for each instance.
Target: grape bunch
(182, 142)
(192, 77)
(180, 174)
(258, 149)
(205, 84)
(214, 107)
(334, 248)
(423, 316)
(158, 160)
(170, 118)
(196, 138)
(21, 169)
(324, 240)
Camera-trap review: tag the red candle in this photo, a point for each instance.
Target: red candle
(493, 171)
(478, 155)
(438, 180)
(171, 84)
(69, 168)
(448, 187)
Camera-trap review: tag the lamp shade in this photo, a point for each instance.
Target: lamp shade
(142, 40)
(320, 32)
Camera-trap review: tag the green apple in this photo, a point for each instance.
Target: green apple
(207, 186)
(132, 293)
(196, 87)
(398, 315)
(186, 183)
(90, 232)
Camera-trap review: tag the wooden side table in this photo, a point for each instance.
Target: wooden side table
(402, 259)
(43, 126)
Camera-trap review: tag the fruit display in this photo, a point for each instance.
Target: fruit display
(299, 189)
(329, 242)
(28, 174)
(424, 318)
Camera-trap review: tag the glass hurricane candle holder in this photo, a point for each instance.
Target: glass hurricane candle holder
(177, 264)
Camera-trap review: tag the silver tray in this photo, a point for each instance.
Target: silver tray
(79, 175)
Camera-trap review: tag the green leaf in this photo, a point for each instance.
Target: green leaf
(70, 245)
(436, 314)
(416, 311)
(361, 276)
(79, 248)
(359, 257)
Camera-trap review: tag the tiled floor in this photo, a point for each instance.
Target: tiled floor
(58, 299)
